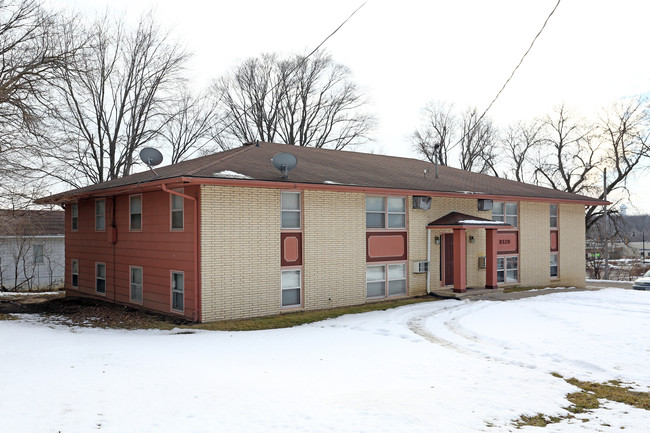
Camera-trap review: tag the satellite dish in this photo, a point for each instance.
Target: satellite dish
(151, 156)
(284, 162)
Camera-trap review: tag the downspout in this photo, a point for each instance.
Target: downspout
(429, 261)
(197, 305)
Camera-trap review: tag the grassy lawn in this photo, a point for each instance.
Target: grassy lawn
(294, 319)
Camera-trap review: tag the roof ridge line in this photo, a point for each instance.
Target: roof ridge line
(236, 151)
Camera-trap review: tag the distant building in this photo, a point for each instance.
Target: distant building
(32, 249)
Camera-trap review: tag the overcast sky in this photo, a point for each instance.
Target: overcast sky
(406, 53)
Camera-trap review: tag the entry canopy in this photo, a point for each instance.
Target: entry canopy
(460, 220)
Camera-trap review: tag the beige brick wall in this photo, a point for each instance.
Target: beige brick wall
(240, 252)
(534, 244)
(334, 249)
(418, 220)
(572, 245)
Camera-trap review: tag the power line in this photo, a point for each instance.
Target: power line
(478, 122)
(293, 70)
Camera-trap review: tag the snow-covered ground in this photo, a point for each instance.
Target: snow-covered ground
(445, 366)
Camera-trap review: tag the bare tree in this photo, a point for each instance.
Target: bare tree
(477, 144)
(569, 155)
(189, 125)
(305, 101)
(438, 135)
(114, 98)
(519, 142)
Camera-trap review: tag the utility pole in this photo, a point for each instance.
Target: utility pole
(606, 226)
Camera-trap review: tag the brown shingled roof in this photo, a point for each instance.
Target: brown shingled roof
(323, 166)
(31, 222)
(457, 219)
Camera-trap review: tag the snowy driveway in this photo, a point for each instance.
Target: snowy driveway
(443, 366)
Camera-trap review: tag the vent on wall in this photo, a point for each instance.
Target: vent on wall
(421, 267)
(482, 263)
(484, 204)
(421, 202)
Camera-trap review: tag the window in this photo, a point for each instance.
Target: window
(136, 284)
(554, 267)
(177, 212)
(74, 211)
(38, 254)
(506, 212)
(290, 210)
(507, 269)
(553, 216)
(291, 287)
(386, 212)
(100, 277)
(135, 212)
(75, 273)
(100, 215)
(178, 288)
(385, 280)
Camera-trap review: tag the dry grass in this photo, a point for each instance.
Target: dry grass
(587, 399)
(294, 319)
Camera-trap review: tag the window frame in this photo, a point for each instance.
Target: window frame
(74, 217)
(131, 284)
(557, 266)
(556, 216)
(299, 287)
(386, 212)
(74, 274)
(181, 210)
(386, 280)
(504, 216)
(38, 259)
(283, 210)
(97, 278)
(103, 215)
(173, 289)
(505, 270)
(131, 213)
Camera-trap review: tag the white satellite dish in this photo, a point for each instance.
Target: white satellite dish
(151, 156)
(284, 162)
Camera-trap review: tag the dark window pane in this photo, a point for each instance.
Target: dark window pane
(376, 289)
(397, 287)
(290, 297)
(375, 220)
(136, 221)
(177, 219)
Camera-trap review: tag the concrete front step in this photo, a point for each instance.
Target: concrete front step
(471, 291)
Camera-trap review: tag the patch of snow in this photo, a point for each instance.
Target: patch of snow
(231, 175)
(449, 366)
(331, 182)
(12, 294)
(478, 222)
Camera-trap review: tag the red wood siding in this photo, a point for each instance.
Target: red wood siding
(156, 248)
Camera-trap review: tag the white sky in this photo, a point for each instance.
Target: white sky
(404, 54)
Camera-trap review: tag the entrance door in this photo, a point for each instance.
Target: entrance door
(448, 259)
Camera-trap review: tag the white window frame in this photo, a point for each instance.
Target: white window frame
(74, 217)
(39, 254)
(387, 213)
(299, 287)
(387, 280)
(133, 285)
(98, 278)
(556, 216)
(100, 216)
(503, 217)
(507, 268)
(131, 213)
(175, 289)
(177, 210)
(284, 211)
(557, 266)
(74, 272)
